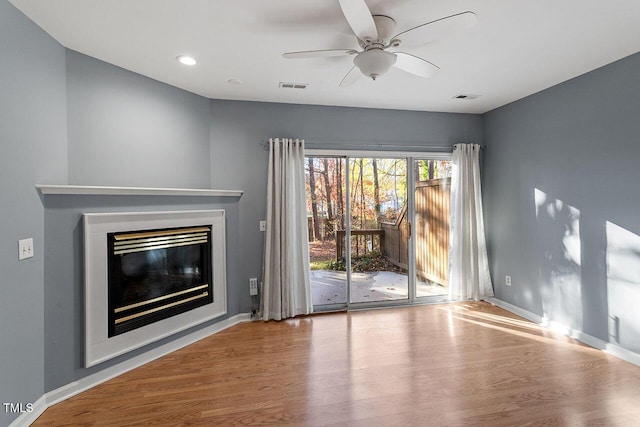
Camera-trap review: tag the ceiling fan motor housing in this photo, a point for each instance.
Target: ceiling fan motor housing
(386, 29)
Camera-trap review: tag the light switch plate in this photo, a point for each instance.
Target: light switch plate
(263, 225)
(25, 248)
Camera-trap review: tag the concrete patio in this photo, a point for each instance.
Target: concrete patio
(329, 287)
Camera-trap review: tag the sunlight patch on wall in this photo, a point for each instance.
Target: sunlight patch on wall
(558, 246)
(623, 286)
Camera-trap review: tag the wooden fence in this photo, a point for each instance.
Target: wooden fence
(431, 230)
(396, 238)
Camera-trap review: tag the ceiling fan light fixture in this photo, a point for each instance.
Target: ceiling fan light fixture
(374, 63)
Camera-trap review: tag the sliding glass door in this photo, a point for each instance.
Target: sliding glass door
(326, 224)
(432, 184)
(378, 229)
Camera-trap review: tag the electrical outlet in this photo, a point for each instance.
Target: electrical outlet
(507, 280)
(253, 286)
(25, 248)
(263, 225)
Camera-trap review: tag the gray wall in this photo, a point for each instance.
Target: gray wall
(128, 130)
(64, 279)
(124, 130)
(562, 196)
(239, 162)
(33, 144)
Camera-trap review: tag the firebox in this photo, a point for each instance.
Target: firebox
(155, 274)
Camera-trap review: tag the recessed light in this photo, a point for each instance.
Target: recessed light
(234, 82)
(186, 60)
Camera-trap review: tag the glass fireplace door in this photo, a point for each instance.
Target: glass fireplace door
(155, 274)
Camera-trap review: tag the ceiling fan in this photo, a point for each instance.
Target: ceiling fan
(374, 35)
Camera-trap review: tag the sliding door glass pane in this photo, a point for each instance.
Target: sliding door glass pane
(326, 205)
(379, 229)
(432, 196)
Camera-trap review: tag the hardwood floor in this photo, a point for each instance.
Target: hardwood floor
(440, 365)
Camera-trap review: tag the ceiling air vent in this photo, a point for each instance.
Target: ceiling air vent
(466, 96)
(293, 85)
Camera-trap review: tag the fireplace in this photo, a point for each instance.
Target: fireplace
(149, 275)
(155, 274)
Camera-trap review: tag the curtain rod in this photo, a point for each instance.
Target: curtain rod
(348, 145)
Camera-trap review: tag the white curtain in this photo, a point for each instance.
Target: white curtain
(286, 289)
(468, 267)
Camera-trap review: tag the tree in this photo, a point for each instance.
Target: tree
(427, 169)
(339, 195)
(363, 212)
(314, 200)
(376, 190)
(327, 188)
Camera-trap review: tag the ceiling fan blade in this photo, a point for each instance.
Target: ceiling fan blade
(437, 29)
(415, 65)
(351, 77)
(319, 53)
(359, 18)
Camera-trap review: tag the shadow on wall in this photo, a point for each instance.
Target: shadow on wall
(623, 286)
(558, 250)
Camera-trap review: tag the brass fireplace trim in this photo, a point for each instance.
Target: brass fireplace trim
(147, 234)
(142, 245)
(163, 307)
(163, 297)
(162, 239)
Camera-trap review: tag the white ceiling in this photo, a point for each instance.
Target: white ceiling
(519, 47)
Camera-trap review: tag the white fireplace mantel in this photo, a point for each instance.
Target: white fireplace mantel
(93, 190)
(98, 345)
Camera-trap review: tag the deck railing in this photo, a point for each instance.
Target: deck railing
(362, 242)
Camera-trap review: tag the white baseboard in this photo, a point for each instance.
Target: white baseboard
(612, 349)
(83, 384)
(623, 353)
(515, 309)
(27, 418)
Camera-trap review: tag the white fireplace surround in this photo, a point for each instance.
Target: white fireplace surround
(98, 346)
